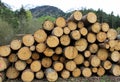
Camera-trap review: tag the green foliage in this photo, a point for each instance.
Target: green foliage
(29, 15)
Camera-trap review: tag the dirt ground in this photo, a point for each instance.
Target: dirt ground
(79, 79)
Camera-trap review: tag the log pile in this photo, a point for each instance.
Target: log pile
(77, 46)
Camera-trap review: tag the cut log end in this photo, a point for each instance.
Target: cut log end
(60, 22)
(48, 25)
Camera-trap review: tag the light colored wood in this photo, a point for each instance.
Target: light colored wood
(15, 44)
(52, 41)
(79, 59)
(100, 71)
(102, 54)
(75, 34)
(81, 44)
(94, 69)
(40, 48)
(66, 30)
(57, 31)
(55, 57)
(70, 52)
(39, 74)
(3, 64)
(24, 53)
(65, 74)
(65, 40)
(40, 36)
(29, 61)
(32, 48)
(113, 43)
(51, 74)
(48, 52)
(72, 25)
(12, 73)
(101, 36)
(86, 63)
(35, 56)
(87, 53)
(86, 72)
(58, 50)
(20, 65)
(5, 51)
(83, 31)
(105, 27)
(93, 48)
(117, 47)
(112, 34)
(70, 65)
(27, 75)
(115, 56)
(96, 27)
(28, 40)
(76, 72)
(80, 24)
(94, 61)
(48, 25)
(58, 66)
(104, 45)
(46, 62)
(62, 59)
(35, 66)
(91, 37)
(60, 22)
(115, 70)
(12, 57)
(107, 64)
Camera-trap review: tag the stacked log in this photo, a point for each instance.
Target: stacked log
(77, 46)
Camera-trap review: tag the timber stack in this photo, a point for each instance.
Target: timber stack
(77, 46)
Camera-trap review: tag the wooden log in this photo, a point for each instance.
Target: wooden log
(12, 73)
(65, 74)
(62, 59)
(15, 44)
(27, 75)
(40, 48)
(75, 35)
(96, 27)
(105, 27)
(57, 31)
(5, 51)
(86, 63)
(12, 57)
(40, 36)
(48, 25)
(115, 70)
(20, 65)
(112, 34)
(104, 45)
(35, 56)
(107, 64)
(94, 61)
(32, 48)
(113, 43)
(86, 72)
(46, 62)
(102, 54)
(94, 69)
(24, 53)
(80, 24)
(70, 65)
(100, 71)
(66, 30)
(91, 37)
(52, 41)
(65, 40)
(76, 16)
(55, 57)
(87, 53)
(76, 72)
(58, 66)
(39, 74)
(3, 63)
(2, 76)
(48, 52)
(117, 47)
(79, 59)
(29, 61)
(35, 66)
(58, 50)
(81, 44)
(115, 56)
(72, 25)
(51, 74)
(101, 36)
(70, 52)
(28, 40)
(83, 31)
(60, 22)
(93, 48)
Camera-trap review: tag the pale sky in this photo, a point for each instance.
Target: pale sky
(106, 5)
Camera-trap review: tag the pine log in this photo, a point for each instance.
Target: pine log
(39, 74)
(66, 30)
(51, 74)
(72, 25)
(35, 56)
(48, 25)
(20, 65)
(91, 37)
(65, 74)
(28, 40)
(65, 40)
(58, 66)
(101, 36)
(15, 44)
(100, 71)
(93, 48)
(96, 27)
(70, 65)
(5, 51)
(55, 57)
(112, 34)
(29, 61)
(62, 59)
(94, 69)
(40, 47)
(27, 75)
(60, 22)
(40, 36)
(3, 63)
(87, 53)
(24, 53)
(76, 72)
(12, 58)
(86, 72)
(79, 59)
(81, 44)
(115, 56)
(12, 73)
(94, 61)
(102, 54)
(32, 48)
(107, 64)
(52, 41)
(117, 47)
(75, 34)
(57, 31)
(113, 43)
(83, 31)
(48, 52)
(70, 52)
(104, 45)
(58, 50)
(80, 24)
(115, 70)
(86, 63)
(35, 66)
(105, 27)
(46, 62)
